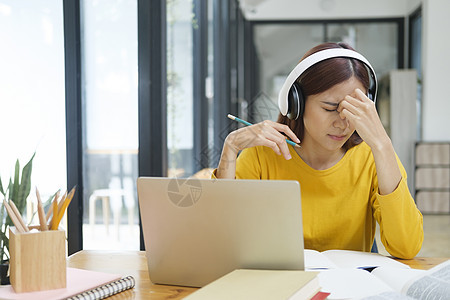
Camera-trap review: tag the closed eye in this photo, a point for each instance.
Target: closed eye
(328, 104)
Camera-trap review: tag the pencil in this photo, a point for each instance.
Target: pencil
(49, 212)
(18, 215)
(63, 208)
(54, 212)
(13, 217)
(61, 202)
(41, 213)
(248, 124)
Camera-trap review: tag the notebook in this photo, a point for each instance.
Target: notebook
(197, 230)
(81, 284)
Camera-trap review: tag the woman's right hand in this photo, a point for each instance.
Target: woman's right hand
(266, 133)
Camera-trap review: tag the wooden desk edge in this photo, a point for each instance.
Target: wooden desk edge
(135, 264)
(422, 263)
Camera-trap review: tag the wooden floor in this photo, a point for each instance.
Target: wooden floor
(436, 237)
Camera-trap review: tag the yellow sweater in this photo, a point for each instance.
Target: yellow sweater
(340, 204)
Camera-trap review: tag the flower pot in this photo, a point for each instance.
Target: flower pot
(4, 278)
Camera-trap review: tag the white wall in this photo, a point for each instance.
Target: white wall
(436, 70)
(412, 5)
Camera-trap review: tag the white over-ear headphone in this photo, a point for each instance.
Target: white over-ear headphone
(291, 101)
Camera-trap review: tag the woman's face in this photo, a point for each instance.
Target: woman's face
(324, 128)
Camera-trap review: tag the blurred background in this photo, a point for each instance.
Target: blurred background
(105, 91)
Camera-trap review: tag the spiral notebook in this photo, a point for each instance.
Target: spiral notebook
(81, 284)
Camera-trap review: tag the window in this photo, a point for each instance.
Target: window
(157, 116)
(110, 124)
(275, 62)
(32, 92)
(180, 22)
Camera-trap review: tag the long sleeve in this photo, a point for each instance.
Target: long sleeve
(401, 223)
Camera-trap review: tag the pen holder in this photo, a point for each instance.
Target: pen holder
(37, 260)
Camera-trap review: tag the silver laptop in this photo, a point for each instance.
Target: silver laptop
(197, 230)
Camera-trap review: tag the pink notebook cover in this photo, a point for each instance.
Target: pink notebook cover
(78, 281)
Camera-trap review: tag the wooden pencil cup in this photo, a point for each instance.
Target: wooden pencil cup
(37, 260)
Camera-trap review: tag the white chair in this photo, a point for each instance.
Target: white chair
(112, 198)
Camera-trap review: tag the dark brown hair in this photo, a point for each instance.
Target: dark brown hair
(324, 75)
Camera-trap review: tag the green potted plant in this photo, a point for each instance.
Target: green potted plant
(16, 191)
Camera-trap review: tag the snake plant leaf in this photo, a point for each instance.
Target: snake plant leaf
(25, 186)
(10, 184)
(8, 220)
(4, 239)
(1, 187)
(18, 192)
(5, 245)
(14, 189)
(50, 199)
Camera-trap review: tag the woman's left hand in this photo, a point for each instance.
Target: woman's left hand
(362, 114)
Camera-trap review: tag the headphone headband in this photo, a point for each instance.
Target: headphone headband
(314, 59)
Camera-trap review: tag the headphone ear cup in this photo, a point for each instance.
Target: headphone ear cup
(370, 93)
(296, 102)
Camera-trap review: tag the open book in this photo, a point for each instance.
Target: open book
(430, 284)
(344, 259)
(344, 274)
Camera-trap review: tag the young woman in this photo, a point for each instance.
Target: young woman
(349, 174)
